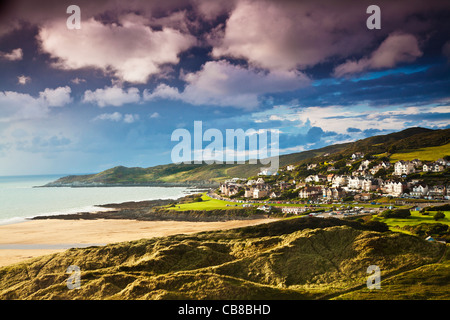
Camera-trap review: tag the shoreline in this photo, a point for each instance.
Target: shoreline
(89, 209)
(112, 223)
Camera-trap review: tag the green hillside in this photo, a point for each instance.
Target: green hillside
(303, 258)
(424, 154)
(411, 142)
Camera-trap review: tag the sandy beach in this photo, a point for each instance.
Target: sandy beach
(21, 241)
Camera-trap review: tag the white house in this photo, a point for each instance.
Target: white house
(371, 184)
(393, 188)
(266, 172)
(294, 210)
(419, 191)
(357, 155)
(260, 193)
(403, 167)
(443, 162)
(339, 181)
(437, 192)
(437, 167)
(355, 182)
(382, 165)
(315, 178)
(248, 193)
(274, 195)
(433, 167)
(364, 165)
(260, 181)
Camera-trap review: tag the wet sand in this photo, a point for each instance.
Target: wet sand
(21, 241)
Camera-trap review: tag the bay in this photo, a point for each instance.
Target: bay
(19, 199)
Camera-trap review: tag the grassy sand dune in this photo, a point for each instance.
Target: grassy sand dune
(304, 258)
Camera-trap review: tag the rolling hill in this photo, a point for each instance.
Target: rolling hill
(398, 143)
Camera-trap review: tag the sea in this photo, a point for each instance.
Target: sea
(20, 199)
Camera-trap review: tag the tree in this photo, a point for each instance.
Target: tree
(439, 215)
(380, 173)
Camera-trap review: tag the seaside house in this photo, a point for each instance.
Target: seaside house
(393, 188)
(248, 192)
(315, 178)
(333, 193)
(364, 165)
(363, 196)
(310, 192)
(357, 155)
(403, 168)
(260, 193)
(294, 210)
(260, 181)
(419, 191)
(433, 167)
(339, 181)
(274, 195)
(437, 192)
(355, 183)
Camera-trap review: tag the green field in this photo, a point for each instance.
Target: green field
(416, 218)
(424, 154)
(207, 203)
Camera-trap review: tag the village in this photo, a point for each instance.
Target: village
(365, 181)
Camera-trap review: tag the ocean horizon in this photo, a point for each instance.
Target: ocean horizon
(20, 200)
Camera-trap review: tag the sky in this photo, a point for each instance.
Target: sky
(113, 92)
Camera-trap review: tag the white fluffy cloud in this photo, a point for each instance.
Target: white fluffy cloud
(220, 83)
(118, 117)
(23, 79)
(56, 97)
(131, 50)
(112, 96)
(20, 106)
(14, 55)
(395, 49)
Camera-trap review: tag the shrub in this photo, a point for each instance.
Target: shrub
(198, 199)
(439, 215)
(377, 226)
(444, 207)
(397, 213)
